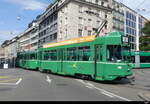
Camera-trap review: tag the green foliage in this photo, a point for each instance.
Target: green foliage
(145, 40)
(146, 29)
(145, 43)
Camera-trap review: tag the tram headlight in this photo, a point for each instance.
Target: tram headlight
(119, 67)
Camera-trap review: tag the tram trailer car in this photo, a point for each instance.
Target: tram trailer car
(98, 58)
(28, 60)
(144, 59)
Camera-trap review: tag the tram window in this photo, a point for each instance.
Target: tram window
(99, 53)
(50, 55)
(84, 53)
(53, 55)
(114, 53)
(32, 56)
(72, 54)
(145, 59)
(78, 54)
(46, 55)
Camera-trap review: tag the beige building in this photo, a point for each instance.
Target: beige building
(2, 53)
(79, 18)
(66, 19)
(28, 40)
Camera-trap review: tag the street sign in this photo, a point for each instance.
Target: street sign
(5, 66)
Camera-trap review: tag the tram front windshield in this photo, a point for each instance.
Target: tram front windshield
(114, 53)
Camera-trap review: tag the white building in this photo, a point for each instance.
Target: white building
(66, 19)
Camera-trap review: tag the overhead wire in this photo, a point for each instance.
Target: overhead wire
(140, 4)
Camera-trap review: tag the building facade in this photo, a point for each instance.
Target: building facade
(66, 19)
(131, 25)
(28, 40)
(118, 16)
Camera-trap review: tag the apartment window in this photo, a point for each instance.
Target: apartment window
(80, 32)
(96, 1)
(80, 9)
(89, 33)
(90, 21)
(102, 3)
(80, 20)
(106, 16)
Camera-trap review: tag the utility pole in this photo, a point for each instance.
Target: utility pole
(137, 56)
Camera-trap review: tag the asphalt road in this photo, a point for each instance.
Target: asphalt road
(25, 85)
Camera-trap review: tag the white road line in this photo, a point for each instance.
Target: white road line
(18, 81)
(107, 94)
(79, 80)
(89, 85)
(11, 84)
(48, 79)
(102, 90)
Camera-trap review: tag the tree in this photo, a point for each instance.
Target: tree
(146, 29)
(145, 40)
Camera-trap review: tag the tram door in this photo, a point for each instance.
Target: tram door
(98, 61)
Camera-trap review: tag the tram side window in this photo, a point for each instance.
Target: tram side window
(33, 56)
(78, 54)
(46, 55)
(145, 59)
(53, 55)
(72, 54)
(26, 57)
(99, 56)
(50, 55)
(84, 53)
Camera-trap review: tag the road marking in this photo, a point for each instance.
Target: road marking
(18, 81)
(102, 90)
(3, 77)
(9, 80)
(79, 80)
(89, 85)
(48, 79)
(107, 94)
(11, 83)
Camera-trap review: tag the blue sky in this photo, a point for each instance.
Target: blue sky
(27, 10)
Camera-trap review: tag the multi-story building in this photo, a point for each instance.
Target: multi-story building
(131, 25)
(48, 25)
(28, 40)
(118, 16)
(2, 57)
(5, 50)
(67, 19)
(12, 51)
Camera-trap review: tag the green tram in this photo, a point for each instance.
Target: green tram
(99, 58)
(144, 59)
(28, 60)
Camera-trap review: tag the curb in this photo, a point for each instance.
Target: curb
(143, 96)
